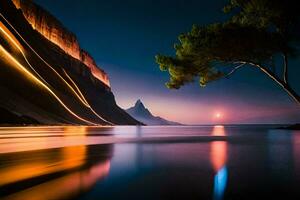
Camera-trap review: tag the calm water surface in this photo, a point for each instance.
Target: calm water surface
(198, 162)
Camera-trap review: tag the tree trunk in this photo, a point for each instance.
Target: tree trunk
(291, 92)
(284, 85)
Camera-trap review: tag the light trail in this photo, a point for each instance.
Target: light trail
(39, 82)
(16, 43)
(75, 85)
(80, 96)
(11, 38)
(86, 100)
(18, 46)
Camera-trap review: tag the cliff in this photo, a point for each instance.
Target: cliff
(43, 80)
(53, 30)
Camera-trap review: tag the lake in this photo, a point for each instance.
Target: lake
(182, 162)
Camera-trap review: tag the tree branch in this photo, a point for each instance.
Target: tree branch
(235, 69)
(281, 83)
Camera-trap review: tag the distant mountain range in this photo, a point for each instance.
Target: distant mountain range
(142, 114)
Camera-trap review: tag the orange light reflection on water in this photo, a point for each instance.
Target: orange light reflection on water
(66, 158)
(22, 139)
(218, 151)
(218, 157)
(67, 186)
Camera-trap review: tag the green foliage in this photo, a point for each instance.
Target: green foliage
(257, 31)
(278, 14)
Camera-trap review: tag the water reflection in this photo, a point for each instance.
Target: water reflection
(218, 157)
(18, 139)
(296, 154)
(14, 170)
(220, 182)
(60, 173)
(263, 164)
(66, 187)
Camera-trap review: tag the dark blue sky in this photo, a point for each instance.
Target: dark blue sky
(124, 37)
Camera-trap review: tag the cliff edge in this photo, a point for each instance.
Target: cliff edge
(52, 29)
(46, 78)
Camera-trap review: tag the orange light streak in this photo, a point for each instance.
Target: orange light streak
(9, 35)
(76, 87)
(17, 44)
(86, 100)
(80, 96)
(39, 82)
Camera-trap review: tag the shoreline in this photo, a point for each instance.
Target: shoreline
(291, 127)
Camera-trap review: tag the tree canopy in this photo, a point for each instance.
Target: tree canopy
(256, 33)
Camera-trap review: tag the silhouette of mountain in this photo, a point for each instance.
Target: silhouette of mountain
(142, 114)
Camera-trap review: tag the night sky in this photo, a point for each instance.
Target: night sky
(125, 36)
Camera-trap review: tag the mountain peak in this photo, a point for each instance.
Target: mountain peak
(138, 102)
(141, 113)
(139, 105)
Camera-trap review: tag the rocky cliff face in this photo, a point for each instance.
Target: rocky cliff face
(53, 30)
(45, 77)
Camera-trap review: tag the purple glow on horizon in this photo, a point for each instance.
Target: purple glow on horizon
(191, 112)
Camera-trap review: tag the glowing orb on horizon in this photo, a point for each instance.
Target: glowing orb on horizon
(218, 115)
